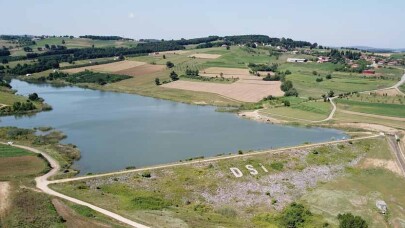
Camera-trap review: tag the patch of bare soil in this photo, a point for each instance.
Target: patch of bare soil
(109, 67)
(381, 163)
(389, 92)
(370, 127)
(4, 198)
(256, 116)
(205, 56)
(72, 219)
(141, 70)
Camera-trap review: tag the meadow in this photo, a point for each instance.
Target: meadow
(383, 109)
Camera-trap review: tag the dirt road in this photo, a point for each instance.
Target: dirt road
(398, 153)
(4, 197)
(42, 184)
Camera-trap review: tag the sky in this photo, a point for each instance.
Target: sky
(374, 23)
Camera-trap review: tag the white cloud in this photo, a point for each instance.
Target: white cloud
(131, 15)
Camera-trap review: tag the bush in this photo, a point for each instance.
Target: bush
(277, 166)
(319, 79)
(295, 215)
(348, 220)
(169, 64)
(329, 76)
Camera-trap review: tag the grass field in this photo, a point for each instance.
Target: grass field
(395, 110)
(204, 195)
(9, 151)
(307, 111)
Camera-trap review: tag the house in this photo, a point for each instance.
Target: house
(368, 72)
(28, 75)
(323, 59)
(382, 206)
(294, 60)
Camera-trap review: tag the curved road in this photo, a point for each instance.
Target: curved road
(42, 184)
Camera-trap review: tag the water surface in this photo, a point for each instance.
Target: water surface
(115, 130)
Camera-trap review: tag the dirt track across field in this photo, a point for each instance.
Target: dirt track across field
(109, 67)
(4, 197)
(205, 56)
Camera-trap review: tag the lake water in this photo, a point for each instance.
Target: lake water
(115, 130)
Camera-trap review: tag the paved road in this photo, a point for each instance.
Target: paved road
(42, 184)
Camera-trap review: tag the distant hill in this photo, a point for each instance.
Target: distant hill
(379, 50)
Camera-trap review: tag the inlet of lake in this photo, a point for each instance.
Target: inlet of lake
(117, 130)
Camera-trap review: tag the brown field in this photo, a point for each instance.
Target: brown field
(248, 88)
(141, 70)
(205, 56)
(225, 71)
(109, 67)
(20, 166)
(240, 90)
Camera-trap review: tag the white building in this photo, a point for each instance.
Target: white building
(294, 60)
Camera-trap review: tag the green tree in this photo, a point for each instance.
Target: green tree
(164, 56)
(174, 76)
(157, 81)
(348, 220)
(314, 72)
(33, 96)
(286, 85)
(294, 215)
(169, 64)
(63, 42)
(331, 93)
(328, 76)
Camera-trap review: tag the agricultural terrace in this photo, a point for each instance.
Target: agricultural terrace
(343, 176)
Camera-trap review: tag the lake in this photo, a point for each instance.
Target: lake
(116, 130)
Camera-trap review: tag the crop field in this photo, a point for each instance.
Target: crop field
(10, 151)
(307, 85)
(394, 110)
(140, 70)
(241, 90)
(208, 194)
(16, 162)
(109, 67)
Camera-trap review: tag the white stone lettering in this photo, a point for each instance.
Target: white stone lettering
(236, 172)
(252, 170)
(264, 168)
